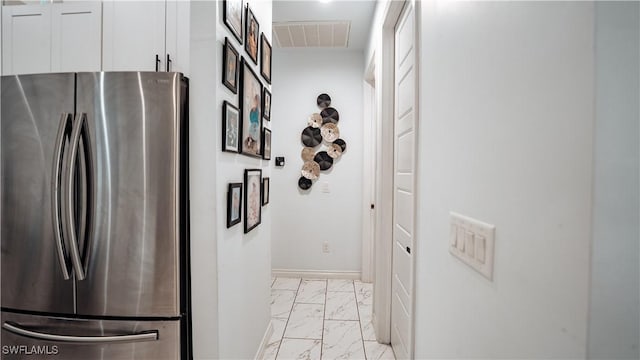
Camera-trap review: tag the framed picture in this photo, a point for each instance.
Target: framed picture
(253, 34)
(266, 104)
(230, 127)
(230, 66)
(265, 191)
(252, 200)
(250, 110)
(234, 204)
(265, 58)
(233, 17)
(266, 144)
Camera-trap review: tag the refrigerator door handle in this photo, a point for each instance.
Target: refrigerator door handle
(56, 210)
(75, 142)
(86, 191)
(151, 335)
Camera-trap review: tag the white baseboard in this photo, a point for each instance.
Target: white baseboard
(317, 274)
(265, 342)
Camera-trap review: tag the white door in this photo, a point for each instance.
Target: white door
(404, 186)
(26, 39)
(133, 35)
(76, 36)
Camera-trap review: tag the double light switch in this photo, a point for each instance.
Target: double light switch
(472, 242)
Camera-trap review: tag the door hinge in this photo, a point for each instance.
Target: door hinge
(408, 250)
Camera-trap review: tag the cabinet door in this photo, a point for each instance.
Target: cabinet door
(133, 35)
(177, 35)
(26, 39)
(76, 36)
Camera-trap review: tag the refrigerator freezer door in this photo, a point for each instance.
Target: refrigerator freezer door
(41, 337)
(132, 253)
(33, 107)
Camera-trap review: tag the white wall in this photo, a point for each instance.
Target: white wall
(505, 136)
(615, 296)
(244, 260)
(304, 220)
(204, 279)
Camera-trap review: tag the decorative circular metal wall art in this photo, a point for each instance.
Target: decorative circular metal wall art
(330, 132)
(330, 115)
(308, 153)
(322, 129)
(311, 170)
(311, 136)
(304, 183)
(334, 151)
(323, 101)
(324, 160)
(315, 120)
(342, 144)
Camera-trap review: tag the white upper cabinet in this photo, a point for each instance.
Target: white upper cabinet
(59, 37)
(143, 36)
(26, 39)
(76, 37)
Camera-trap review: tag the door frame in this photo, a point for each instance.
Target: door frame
(369, 170)
(384, 177)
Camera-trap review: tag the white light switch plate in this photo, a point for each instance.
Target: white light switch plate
(472, 241)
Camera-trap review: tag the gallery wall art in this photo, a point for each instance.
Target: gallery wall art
(251, 110)
(322, 143)
(234, 204)
(244, 116)
(253, 199)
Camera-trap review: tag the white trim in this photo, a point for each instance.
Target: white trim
(317, 274)
(368, 171)
(265, 342)
(384, 173)
(417, 28)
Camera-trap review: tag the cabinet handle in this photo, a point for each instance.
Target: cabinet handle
(168, 62)
(157, 62)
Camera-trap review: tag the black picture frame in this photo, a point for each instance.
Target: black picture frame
(230, 128)
(230, 62)
(265, 58)
(232, 14)
(252, 199)
(266, 184)
(234, 204)
(266, 104)
(252, 36)
(250, 112)
(266, 144)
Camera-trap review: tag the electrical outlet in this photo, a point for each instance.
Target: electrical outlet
(325, 247)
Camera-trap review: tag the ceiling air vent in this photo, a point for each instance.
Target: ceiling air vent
(312, 34)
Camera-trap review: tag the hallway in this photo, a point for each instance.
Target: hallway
(322, 319)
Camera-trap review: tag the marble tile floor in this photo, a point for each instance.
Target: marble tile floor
(323, 320)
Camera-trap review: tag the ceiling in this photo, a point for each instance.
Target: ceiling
(323, 19)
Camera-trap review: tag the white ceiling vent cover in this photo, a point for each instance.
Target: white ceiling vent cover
(312, 34)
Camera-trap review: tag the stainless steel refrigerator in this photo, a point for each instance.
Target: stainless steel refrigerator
(94, 216)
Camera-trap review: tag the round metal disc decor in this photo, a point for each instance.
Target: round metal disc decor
(330, 132)
(330, 115)
(315, 120)
(308, 153)
(324, 160)
(334, 151)
(311, 136)
(304, 183)
(310, 170)
(342, 144)
(324, 100)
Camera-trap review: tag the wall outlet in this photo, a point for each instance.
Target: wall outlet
(325, 247)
